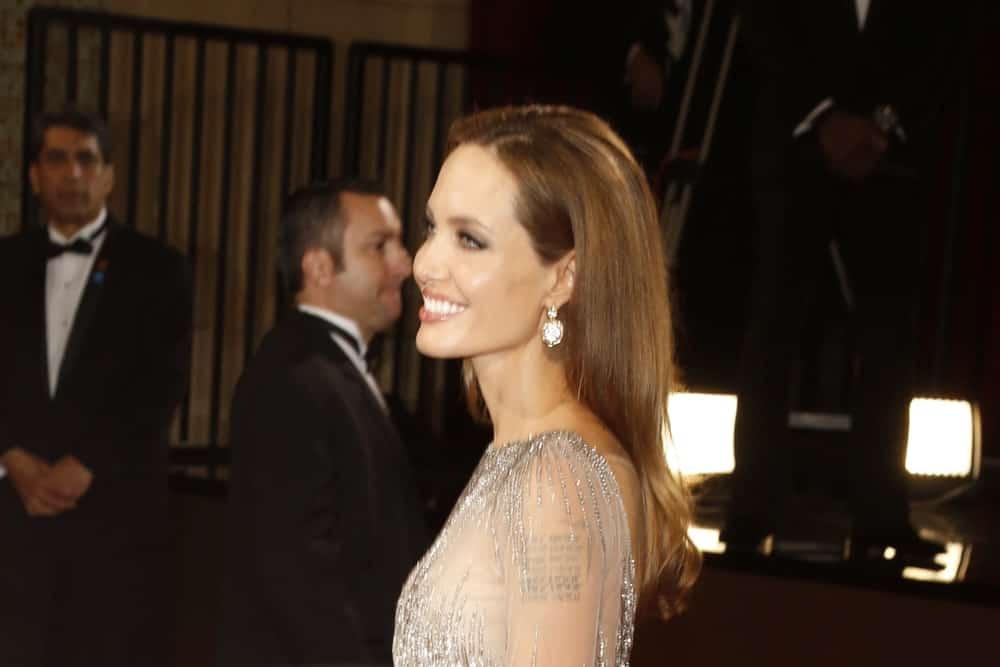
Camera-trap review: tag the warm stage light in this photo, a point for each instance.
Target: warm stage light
(706, 539)
(943, 438)
(702, 428)
(954, 562)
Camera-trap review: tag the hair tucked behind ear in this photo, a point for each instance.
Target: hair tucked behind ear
(580, 189)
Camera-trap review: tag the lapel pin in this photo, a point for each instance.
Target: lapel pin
(99, 271)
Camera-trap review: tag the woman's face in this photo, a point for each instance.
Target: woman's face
(483, 284)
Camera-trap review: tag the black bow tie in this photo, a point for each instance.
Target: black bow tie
(78, 247)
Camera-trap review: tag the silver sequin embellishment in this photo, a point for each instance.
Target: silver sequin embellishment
(533, 567)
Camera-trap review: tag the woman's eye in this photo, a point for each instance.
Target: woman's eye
(428, 227)
(470, 242)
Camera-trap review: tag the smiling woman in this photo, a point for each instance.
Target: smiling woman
(478, 258)
(541, 223)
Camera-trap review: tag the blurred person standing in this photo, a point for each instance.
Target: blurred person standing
(848, 96)
(95, 350)
(323, 522)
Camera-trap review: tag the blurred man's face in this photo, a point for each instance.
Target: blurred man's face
(70, 178)
(366, 288)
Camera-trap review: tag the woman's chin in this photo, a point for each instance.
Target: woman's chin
(428, 346)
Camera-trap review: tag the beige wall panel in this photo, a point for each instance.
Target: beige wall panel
(119, 108)
(270, 195)
(206, 256)
(181, 120)
(148, 128)
(441, 24)
(265, 15)
(302, 132)
(238, 227)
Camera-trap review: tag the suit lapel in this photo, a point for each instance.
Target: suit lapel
(358, 378)
(89, 301)
(35, 282)
(845, 16)
(875, 10)
(319, 333)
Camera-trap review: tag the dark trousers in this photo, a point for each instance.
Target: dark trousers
(877, 229)
(74, 592)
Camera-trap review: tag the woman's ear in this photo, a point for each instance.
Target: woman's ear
(565, 279)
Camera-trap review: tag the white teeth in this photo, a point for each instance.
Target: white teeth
(441, 307)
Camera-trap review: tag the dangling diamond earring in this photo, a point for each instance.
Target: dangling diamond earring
(552, 329)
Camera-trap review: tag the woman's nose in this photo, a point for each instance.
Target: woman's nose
(426, 263)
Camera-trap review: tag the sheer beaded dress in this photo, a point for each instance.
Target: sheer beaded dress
(533, 567)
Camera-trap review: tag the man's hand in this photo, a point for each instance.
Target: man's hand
(852, 144)
(27, 473)
(644, 78)
(69, 478)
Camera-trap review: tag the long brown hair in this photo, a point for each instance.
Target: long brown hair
(581, 189)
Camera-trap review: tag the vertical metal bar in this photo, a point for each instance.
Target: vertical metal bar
(411, 146)
(693, 77)
(352, 118)
(195, 191)
(105, 71)
(255, 212)
(134, 124)
(72, 46)
(166, 136)
(675, 231)
(427, 367)
(221, 264)
(956, 215)
(321, 113)
(987, 314)
(986, 325)
(34, 85)
(411, 151)
(670, 195)
(442, 84)
(286, 153)
(382, 145)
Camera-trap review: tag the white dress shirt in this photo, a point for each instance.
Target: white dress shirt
(358, 360)
(861, 11)
(65, 278)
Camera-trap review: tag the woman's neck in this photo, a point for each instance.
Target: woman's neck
(525, 392)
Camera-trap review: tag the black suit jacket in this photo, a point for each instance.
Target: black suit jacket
(810, 51)
(322, 524)
(123, 373)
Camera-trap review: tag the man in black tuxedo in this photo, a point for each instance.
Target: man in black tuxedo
(848, 95)
(94, 347)
(323, 525)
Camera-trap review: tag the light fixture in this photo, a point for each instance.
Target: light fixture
(943, 438)
(706, 539)
(702, 430)
(954, 562)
